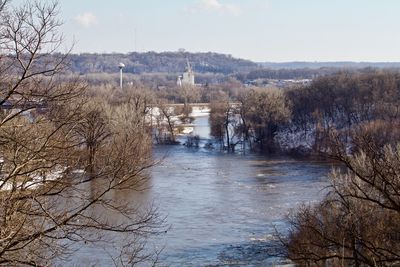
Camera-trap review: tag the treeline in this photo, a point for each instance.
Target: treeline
(342, 102)
(333, 64)
(285, 74)
(305, 116)
(165, 62)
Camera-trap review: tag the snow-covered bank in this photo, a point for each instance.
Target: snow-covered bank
(162, 120)
(291, 140)
(36, 180)
(32, 181)
(200, 111)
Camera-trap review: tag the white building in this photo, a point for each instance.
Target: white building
(188, 76)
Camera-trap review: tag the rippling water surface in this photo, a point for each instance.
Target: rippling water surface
(223, 208)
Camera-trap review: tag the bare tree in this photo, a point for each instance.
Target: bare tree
(63, 160)
(168, 117)
(263, 111)
(222, 117)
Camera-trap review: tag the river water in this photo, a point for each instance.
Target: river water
(223, 209)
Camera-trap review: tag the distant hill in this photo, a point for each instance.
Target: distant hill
(337, 65)
(166, 62)
(211, 63)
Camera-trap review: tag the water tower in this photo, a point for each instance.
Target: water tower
(121, 66)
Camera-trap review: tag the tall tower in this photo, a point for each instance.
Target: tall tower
(121, 66)
(179, 81)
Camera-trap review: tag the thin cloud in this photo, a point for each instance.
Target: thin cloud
(86, 19)
(214, 6)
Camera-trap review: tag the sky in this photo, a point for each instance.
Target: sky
(259, 30)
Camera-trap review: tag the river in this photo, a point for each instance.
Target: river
(223, 208)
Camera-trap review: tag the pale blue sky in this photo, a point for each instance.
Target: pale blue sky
(260, 30)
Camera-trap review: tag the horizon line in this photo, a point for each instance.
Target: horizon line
(357, 61)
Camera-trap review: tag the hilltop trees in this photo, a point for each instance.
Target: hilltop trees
(165, 62)
(63, 158)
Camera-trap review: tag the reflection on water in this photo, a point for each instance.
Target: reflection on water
(202, 128)
(222, 208)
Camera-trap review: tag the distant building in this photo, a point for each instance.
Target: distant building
(179, 81)
(188, 76)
